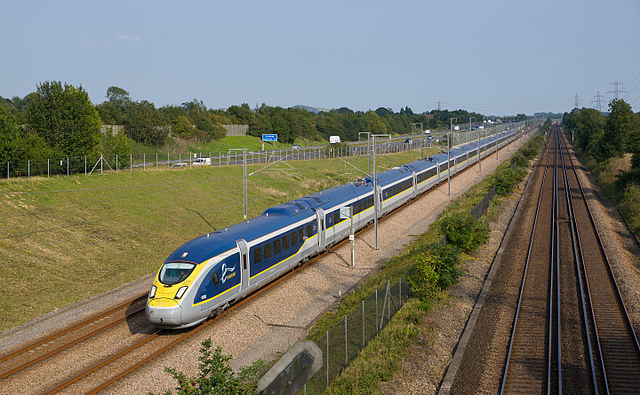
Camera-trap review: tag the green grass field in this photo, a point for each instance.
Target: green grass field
(65, 239)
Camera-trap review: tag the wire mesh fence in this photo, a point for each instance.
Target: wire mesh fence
(341, 343)
(92, 164)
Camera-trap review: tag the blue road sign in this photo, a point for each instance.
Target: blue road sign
(269, 137)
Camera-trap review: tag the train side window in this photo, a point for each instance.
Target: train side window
(309, 230)
(276, 246)
(301, 234)
(267, 250)
(336, 217)
(294, 238)
(285, 242)
(257, 255)
(215, 278)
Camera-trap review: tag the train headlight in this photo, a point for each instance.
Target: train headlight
(152, 293)
(180, 292)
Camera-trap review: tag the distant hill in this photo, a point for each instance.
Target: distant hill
(548, 115)
(314, 110)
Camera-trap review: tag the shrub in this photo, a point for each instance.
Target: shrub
(464, 231)
(216, 376)
(519, 160)
(446, 264)
(423, 277)
(506, 179)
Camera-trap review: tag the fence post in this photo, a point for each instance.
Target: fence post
(376, 309)
(389, 301)
(85, 165)
(28, 169)
(327, 359)
(67, 166)
(131, 163)
(157, 160)
(48, 167)
(8, 170)
(363, 324)
(346, 349)
(144, 161)
(116, 162)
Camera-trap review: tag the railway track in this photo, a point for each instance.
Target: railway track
(103, 371)
(571, 331)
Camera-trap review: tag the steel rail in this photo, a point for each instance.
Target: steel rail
(578, 258)
(613, 282)
(65, 331)
(606, 258)
(526, 266)
(208, 322)
(554, 268)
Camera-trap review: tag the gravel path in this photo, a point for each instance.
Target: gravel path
(250, 331)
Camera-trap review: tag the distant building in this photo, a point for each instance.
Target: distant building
(236, 130)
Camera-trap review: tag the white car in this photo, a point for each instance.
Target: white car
(201, 162)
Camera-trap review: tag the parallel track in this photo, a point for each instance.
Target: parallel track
(567, 333)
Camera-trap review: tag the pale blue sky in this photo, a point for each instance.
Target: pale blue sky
(498, 57)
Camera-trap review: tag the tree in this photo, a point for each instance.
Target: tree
(621, 125)
(181, 126)
(118, 96)
(65, 118)
(144, 124)
(10, 141)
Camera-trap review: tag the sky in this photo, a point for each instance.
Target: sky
(493, 56)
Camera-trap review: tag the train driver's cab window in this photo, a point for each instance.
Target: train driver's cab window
(175, 272)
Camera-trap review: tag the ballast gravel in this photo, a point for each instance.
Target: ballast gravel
(255, 329)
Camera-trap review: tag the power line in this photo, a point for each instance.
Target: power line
(597, 102)
(615, 90)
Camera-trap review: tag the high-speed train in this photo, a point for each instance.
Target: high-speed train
(205, 275)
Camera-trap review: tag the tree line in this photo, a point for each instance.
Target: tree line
(59, 120)
(605, 136)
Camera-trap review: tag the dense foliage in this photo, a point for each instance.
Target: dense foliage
(216, 376)
(62, 117)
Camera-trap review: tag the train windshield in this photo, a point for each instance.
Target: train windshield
(175, 272)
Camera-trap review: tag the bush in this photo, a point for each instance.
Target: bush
(216, 376)
(423, 277)
(506, 179)
(446, 264)
(464, 231)
(519, 160)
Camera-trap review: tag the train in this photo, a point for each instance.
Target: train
(206, 275)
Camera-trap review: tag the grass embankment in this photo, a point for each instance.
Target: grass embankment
(382, 356)
(625, 195)
(65, 239)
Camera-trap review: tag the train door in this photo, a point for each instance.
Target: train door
(244, 264)
(320, 216)
(415, 184)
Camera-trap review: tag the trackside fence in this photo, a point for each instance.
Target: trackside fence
(342, 343)
(98, 164)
